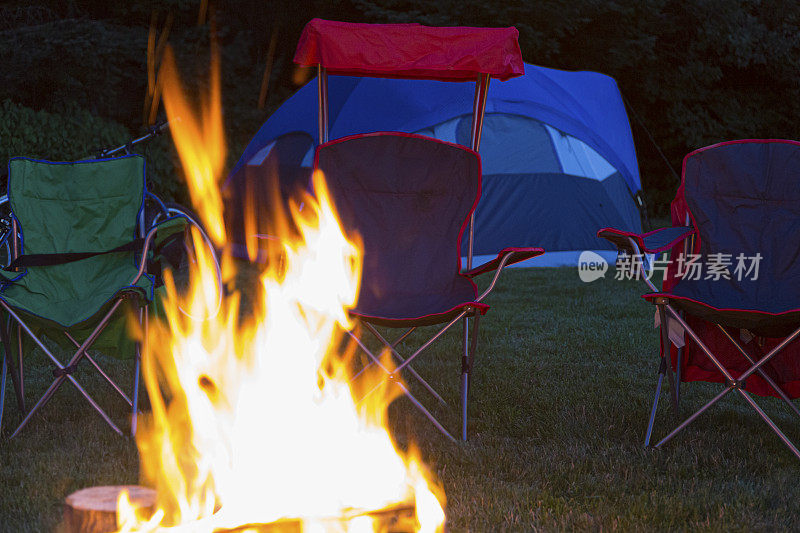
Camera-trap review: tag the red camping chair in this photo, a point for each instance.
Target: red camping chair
(729, 308)
(411, 198)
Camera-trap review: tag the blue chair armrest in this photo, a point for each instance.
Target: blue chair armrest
(513, 255)
(651, 242)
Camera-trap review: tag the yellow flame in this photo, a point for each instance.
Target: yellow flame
(200, 141)
(253, 419)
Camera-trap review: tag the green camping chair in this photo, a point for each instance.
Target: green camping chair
(84, 258)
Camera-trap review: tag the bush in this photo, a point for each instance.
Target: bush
(77, 134)
(99, 66)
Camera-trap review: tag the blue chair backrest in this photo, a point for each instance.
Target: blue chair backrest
(409, 197)
(744, 198)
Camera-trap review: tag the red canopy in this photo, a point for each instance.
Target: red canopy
(410, 51)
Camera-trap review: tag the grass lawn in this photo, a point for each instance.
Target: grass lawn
(561, 392)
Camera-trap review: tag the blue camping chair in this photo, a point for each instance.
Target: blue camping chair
(85, 254)
(411, 197)
(411, 201)
(729, 308)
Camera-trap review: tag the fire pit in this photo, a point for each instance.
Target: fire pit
(94, 510)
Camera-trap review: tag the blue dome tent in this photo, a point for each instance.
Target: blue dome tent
(557, 153)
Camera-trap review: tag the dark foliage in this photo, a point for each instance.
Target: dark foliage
(693, 73)
(77, 134)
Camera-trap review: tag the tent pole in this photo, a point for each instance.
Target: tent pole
(322, 93)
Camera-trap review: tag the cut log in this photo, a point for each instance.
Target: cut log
(94, 510)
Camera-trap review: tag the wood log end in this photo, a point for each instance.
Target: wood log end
(94, 509)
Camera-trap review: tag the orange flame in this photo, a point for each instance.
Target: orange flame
(253, 420)
(200, 141)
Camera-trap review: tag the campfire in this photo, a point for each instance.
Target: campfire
(254, 425)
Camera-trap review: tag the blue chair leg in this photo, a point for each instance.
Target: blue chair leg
(467, 362)
(662, 369)
(4, 371)
(9, 367)
(666, 347)
(143, 318)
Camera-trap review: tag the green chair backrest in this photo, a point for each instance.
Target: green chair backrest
(89, 206)
(76, 207)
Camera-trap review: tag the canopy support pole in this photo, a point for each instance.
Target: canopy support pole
(322, 92)
(478, 109)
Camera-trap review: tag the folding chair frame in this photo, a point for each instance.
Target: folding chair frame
(478, 109)
(7, 367)
(467, 357)
(731, 383)
(63, 372)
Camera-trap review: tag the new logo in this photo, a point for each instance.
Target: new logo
(591, 266)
